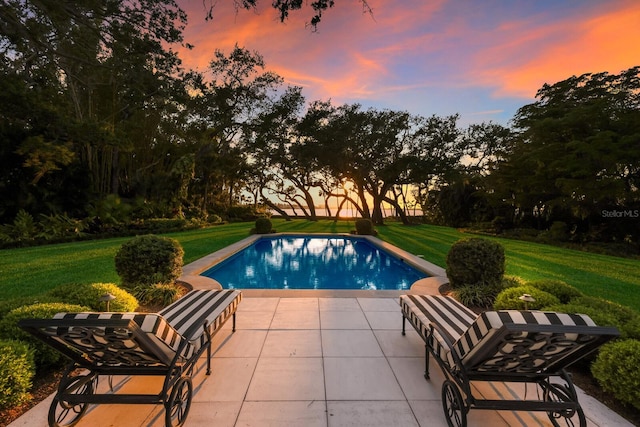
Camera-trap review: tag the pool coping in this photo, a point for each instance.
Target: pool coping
(430, 285)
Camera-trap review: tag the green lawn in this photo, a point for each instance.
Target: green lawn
(31, 271)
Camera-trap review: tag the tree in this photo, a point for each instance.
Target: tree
(463, 194)
(383, 158)
(369, 149)
(483, 145)
(577, 153)
(285, 7)
(100, 68)
(35, 154)
(284, 156)
(435, 158)
(224, 114)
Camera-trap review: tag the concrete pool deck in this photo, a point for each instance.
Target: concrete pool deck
(315, 361)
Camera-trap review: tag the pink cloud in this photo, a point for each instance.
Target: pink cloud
(407, 49)
(526, 57)
(349, 57)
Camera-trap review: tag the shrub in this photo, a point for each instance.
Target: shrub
(23, 229)
(364, 226)
(149, 259)
(631, 329)
(242, 213)
(45, 356)
(13, 303)
(58, 226)
(600, 318)
(616, 369)
(214, 219)
(509, 299)
(604, 313)
(511, 282)
(624, 314)
(560, 289)
(16, 372)
(160, 294)
(89, 294)
(163, 225)
(475, 261)
(477, 296)
(500, 224)
(263, 226)
(559, 231)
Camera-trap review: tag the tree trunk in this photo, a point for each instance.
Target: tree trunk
(377, 217)
(403, 215)
(313, 216)
(115, 172)
(276, 208)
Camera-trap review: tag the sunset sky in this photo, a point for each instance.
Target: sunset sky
(483, 59)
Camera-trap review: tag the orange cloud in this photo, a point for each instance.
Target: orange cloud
(349, 57)
(607, 40)
(419, 49)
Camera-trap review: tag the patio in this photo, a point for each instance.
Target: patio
(317, 359)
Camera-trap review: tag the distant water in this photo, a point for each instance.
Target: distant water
(347, 213)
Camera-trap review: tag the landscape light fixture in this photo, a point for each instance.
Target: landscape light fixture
(107, 298)
(527, 299)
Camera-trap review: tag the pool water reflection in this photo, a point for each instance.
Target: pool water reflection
(314, 262)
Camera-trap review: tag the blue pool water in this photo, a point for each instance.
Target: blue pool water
(314, 262)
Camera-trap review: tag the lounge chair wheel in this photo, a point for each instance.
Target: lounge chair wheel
(66, 414)
(453, 405)
(177, 408)
(570, 417)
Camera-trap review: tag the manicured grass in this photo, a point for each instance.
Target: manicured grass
(31, 271)
(613, 278)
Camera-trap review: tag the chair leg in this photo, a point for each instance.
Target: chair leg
(233, 327)
(404, 320)
(426, 361)
(209, 359)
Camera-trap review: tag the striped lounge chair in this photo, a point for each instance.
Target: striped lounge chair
(167, 343)
(507, 346)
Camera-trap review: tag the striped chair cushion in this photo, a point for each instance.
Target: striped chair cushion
(117, 345)
(167, 330)
(196, 308)
(514, 341)
(497, 341)
(451, 318)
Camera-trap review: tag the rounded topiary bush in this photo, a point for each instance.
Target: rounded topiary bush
(89, 294)
(149, 259)
(475, 261)
(44, 355)
(364, 226)
(616, 369)
(560, 289)
(17, 370)
(509, 299)
(263, 225)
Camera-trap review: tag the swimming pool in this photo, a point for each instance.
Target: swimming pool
(314, 262)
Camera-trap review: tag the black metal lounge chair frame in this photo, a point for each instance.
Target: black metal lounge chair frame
(557, 394)
(128, 346)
